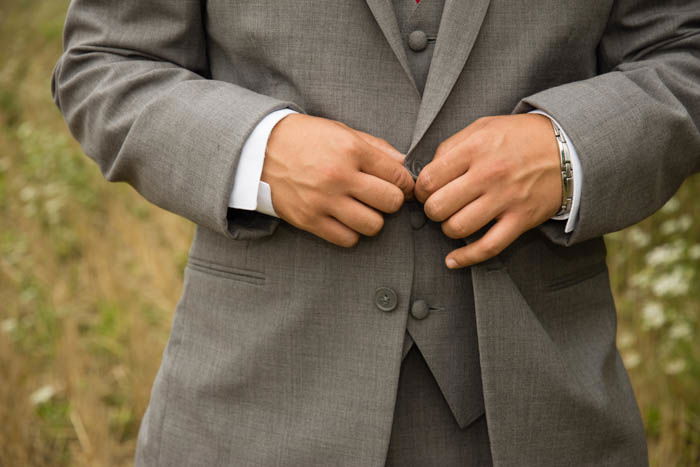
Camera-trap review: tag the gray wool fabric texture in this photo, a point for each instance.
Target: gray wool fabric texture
(279, 354)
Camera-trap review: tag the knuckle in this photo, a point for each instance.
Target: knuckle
(497, 171)
(350, 145)
(434, 209)
(441, 149)
(350, 240)
(489, 248)
(494, 173)
(375, 225)
(332, 174)
(381, 141)
(306, 219)
(342, 125)
(484, 120)
(426, 182)
(315, 203)
(520, 197)
(444, 165)
(479, 140)
(453, 228)
(397, 175)
(396, 198)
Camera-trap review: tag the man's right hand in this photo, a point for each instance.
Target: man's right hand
(332, 180)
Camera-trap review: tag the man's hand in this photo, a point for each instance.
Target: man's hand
(332, 180)
(503, 168)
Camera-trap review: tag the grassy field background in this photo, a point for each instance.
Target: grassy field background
(90, 274)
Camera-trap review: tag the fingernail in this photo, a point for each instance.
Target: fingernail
(451, 263)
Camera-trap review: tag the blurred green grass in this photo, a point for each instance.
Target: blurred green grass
(90, 274)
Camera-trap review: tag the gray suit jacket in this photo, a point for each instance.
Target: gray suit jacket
(277, 354)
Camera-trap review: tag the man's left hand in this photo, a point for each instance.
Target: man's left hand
(503, 168)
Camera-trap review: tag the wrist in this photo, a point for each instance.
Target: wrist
(276, 140)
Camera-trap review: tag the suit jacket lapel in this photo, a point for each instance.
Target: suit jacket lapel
(459, 27)
(385, 16)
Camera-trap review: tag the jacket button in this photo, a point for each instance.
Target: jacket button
(417, 218)
(420, 309)
(417, 40)
(385, 299)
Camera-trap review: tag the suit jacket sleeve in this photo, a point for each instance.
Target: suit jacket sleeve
(133, 85)
(636, 124)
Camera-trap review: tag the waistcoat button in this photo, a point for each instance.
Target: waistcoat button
(420, 309)
(417, 218)
(417, 40)
(385, 298)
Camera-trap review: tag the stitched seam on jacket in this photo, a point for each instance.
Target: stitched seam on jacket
(579, 276)
(227, 272)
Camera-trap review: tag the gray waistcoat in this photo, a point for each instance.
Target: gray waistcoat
(442, 321)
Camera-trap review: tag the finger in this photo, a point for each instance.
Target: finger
(382, 145)
(451, 159)
(472, 217)
(357, 216)
(376, 162)
(496, 239)
(452, 197)
(377, 193)
(335, 232)
(442, 169)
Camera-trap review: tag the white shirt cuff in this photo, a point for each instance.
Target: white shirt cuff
(249, 192)
(572, 217)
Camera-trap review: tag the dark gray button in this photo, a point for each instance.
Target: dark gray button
(417, 218)
(420, 309)
(417, 40)
(385, 298)
(416, 167)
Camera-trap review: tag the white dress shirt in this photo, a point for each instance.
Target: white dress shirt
(251, 193)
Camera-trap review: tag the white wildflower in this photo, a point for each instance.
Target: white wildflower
(27, 193)
(631, 359)
(674, 283)
(641, 279)
(672, 205)
(684, 222)
(675, 366)
(669, 227)
(672, 226)
(680, 331)
(52, 190)
(653, 315)
(25, 130)
(664, 254)
(43, 394)
(694, 251)
(625, 340)
(8, 325)
(53, 210)
(638, 237)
